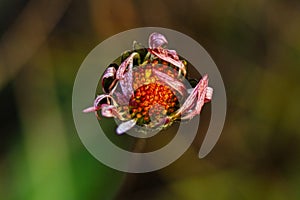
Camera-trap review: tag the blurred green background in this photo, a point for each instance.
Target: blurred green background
(255, 44)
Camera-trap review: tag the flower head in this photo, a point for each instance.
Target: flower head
(149, 89)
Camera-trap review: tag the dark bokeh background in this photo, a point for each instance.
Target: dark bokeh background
(256, 45)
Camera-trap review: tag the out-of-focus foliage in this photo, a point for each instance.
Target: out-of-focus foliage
(256, 45)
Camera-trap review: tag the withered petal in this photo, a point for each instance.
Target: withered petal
(157, 40)
(171, 82)
(125, 126)
(169, 56)
(193, 104)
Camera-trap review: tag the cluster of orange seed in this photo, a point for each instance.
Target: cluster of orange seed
(152, 100)
(151, 97)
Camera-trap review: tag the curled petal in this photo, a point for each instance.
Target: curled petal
(193, 104)
(97, 105)
(121, 70)
(109, 73)
(125, 77)
(157, 40)
(171, 82)
(108, 110)
(125, 126)
(99, 98)
(169, 56)
(173, 54)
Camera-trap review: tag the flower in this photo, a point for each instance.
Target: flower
(149, 88)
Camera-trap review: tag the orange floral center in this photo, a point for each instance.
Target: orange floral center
(153, 100)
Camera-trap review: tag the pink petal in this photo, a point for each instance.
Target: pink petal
(194, 103)
(171, 82)
(122, 68)
(157, 40)
(97, 106)
(99, 98)
(120, 98)
(169, 56)
(91, 109)
(109, 73)
(125, 126)
(108, 110)
(126, 78)
(126, 85)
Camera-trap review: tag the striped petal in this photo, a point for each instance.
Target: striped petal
(171, 82)
(194, 103)
(169, 56)
(157, 40)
